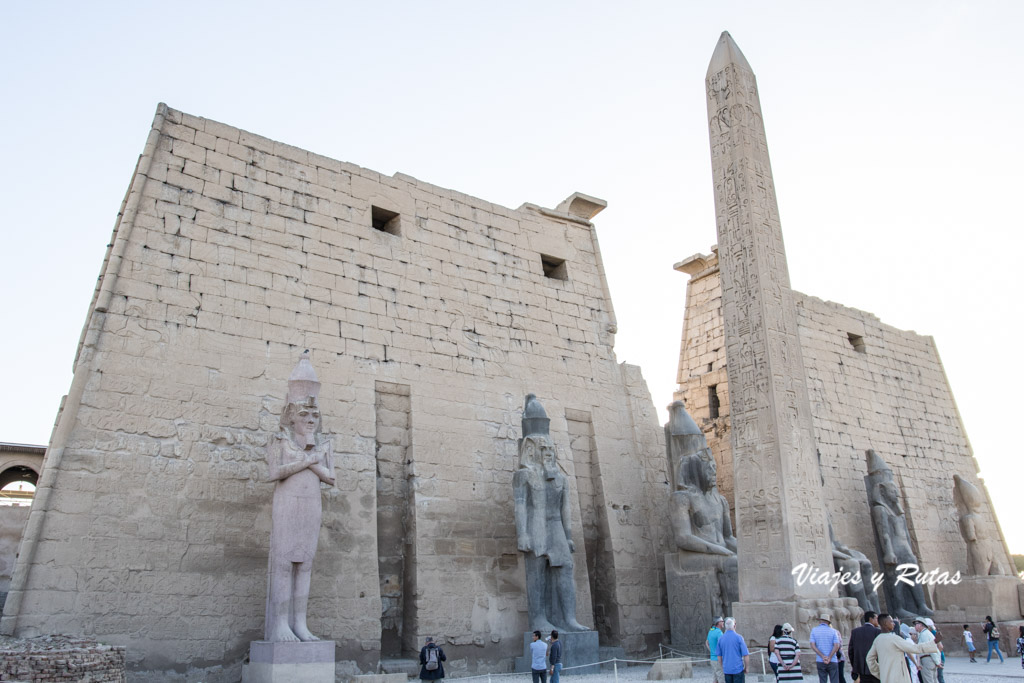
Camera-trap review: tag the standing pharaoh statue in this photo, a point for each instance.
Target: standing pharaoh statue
(983, 557)
(703, 573)
(299, 459)
(893, 539)
(543, 526)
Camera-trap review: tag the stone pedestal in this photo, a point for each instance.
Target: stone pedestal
(755, 621)
(311, 662)
(670, 670)
(577, 649)
(695, 596)
(976, 597)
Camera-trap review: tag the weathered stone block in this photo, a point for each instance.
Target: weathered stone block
(981, 596)
(311, 662)
(670, 669)
(578, 650)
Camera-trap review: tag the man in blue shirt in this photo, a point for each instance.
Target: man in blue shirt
(712, 644)
(538, 659)
(732, 652)
(825, 642)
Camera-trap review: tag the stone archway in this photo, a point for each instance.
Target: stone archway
(18, 472)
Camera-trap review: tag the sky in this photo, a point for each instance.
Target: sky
(894, 130)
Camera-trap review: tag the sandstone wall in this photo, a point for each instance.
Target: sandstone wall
(12, 523)
(871, 386)
(430, 314)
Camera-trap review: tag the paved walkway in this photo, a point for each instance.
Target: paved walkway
(960, 669)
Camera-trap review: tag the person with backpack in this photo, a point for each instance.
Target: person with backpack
(431, 656)
(992, 631)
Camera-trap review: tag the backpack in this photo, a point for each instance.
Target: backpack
(432, 659)
(995, 633)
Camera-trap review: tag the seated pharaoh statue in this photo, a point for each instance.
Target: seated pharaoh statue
(701, 528)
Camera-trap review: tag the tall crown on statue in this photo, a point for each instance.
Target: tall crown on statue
(303, 385)
(535, 419)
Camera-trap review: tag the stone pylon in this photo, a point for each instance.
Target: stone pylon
(780, 512)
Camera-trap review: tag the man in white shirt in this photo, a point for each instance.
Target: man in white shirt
(928, 663)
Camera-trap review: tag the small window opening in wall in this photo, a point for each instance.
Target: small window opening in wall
(713, 403)
(554, 267)
(384, 220)
(857, 342)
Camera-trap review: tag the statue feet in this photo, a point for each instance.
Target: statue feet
(282, 634)
(542, 625)
(573, 626)
(303, 633)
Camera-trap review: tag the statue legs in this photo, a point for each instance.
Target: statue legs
(564, 591)
(537, 593)
(729, 583)
(303, 574)
(286, 606)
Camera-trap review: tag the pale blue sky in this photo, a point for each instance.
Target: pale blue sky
(895, 132)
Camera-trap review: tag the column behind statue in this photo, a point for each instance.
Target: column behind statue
(988, 588)
(701, 575)
(299, 460)
(543, 515)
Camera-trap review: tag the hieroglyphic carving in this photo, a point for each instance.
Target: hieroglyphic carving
(779, 510)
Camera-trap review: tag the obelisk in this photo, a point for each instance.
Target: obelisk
(780, 513)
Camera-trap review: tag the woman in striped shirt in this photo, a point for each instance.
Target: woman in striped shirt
(789, 656)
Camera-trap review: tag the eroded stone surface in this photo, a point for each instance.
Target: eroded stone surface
(233, 254)
(780, 513)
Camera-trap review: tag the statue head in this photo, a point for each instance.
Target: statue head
(691, 463)
(301, 417)
(535, 447)
(883, 484)
(968, 496)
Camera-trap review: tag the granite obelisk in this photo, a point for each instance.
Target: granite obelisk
(780, 514)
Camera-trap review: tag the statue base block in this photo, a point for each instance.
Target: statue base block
(755, 621)
(578, 649)
(311, 662)
(695, 597)
(976, 597)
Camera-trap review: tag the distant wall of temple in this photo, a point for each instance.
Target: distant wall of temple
(871, 386)
(429, 314)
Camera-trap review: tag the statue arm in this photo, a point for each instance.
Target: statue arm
(519, 493)
(684, 536)
(841, 551)
(325, 470)
(567, 517)
(727, 532)
(277, 468)
(878, 515)
(970, 533)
